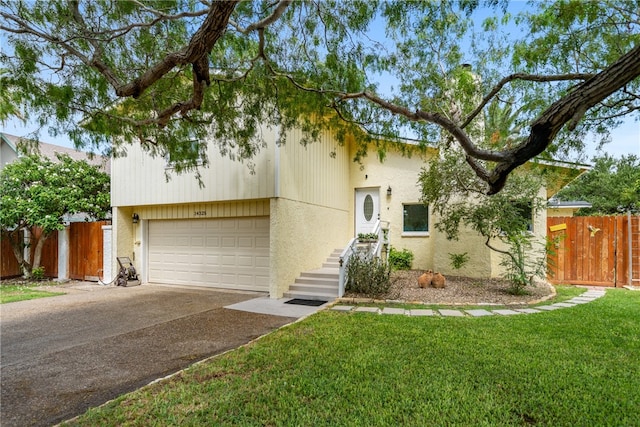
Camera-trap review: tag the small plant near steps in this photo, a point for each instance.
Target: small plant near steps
(319, 284)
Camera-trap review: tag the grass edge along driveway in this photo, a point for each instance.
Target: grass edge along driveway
(576, 366)
(23, 291)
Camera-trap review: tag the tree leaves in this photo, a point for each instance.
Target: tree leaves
(160, 74)
(38, 192)
(611, 186)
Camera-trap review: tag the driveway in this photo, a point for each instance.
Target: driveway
(62, 355)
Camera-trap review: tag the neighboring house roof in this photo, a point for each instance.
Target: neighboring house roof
(50, 150)
(8, 150)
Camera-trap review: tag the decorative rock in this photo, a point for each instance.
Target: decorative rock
(424, 281)
(438, 281)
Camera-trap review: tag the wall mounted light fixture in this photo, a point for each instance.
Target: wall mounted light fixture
(389, 191)
(135, 218)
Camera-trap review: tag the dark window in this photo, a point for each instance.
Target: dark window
(181, 152)
(415, 218)
(525, 211)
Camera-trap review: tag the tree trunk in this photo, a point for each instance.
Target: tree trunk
(17, 240)
(37, 253)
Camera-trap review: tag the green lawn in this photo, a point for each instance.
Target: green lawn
(24, 291)
(575, 366)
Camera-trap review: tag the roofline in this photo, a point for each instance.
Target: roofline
(9, 143)
(416, 142)
(574, 204)
(564, 164)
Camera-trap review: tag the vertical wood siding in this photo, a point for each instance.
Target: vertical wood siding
(205, 210)
(139, 179)
(312, 175)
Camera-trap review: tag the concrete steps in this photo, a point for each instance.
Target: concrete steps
(320, 284)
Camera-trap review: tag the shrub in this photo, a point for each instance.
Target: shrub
(367, 236)
(459, 260)
(37, 273)
(521, 264)
(368, 276)
(400, 260)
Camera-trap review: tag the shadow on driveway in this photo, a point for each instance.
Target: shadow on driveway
(63, 355)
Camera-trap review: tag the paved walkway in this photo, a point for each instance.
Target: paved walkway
(586, 297)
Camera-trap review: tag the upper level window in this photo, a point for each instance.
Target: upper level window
(180, 153)
(415, 221)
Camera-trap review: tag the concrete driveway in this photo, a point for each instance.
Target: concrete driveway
(62, 355)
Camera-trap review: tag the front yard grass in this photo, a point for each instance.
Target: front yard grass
(576, 366)
(22, 291)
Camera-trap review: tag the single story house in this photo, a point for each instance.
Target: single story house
(266, 230)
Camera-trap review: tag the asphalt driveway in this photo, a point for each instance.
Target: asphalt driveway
(62, 355)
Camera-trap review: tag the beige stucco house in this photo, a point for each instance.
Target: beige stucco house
(260, 231)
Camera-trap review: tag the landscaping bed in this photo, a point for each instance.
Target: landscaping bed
(460, 290)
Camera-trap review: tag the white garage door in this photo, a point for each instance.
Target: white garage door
(223, 253)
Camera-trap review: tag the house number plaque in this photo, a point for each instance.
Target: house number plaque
(200, 213)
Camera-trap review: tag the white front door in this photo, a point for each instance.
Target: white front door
(367, 209)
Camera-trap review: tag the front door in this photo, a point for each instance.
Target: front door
(367, 209)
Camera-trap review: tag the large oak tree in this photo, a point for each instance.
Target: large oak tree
(166, 73)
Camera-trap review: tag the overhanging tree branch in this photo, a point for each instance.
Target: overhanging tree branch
(525, 77)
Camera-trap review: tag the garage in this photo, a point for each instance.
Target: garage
(230, 253)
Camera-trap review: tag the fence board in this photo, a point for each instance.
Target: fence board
(8, 264)
(49, 258)
(85, 250)
(594, 250)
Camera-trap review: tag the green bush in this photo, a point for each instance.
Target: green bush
(368, 276)
(400, 260)
(367, 236)
(37, 273)
(459, 260)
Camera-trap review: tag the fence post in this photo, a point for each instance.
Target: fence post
(630, 248)
(106, 253)
(63, 253)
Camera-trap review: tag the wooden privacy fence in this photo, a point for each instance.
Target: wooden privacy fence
(9, 265)
(600, 251)
(84, 257)
(85, 250)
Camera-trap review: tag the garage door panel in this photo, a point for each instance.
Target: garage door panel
(229, 253)
(229, 225)
(246, 242)
(212, 242)
(262, 261)
(244, 261)
(229, 242)
(262, 242)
